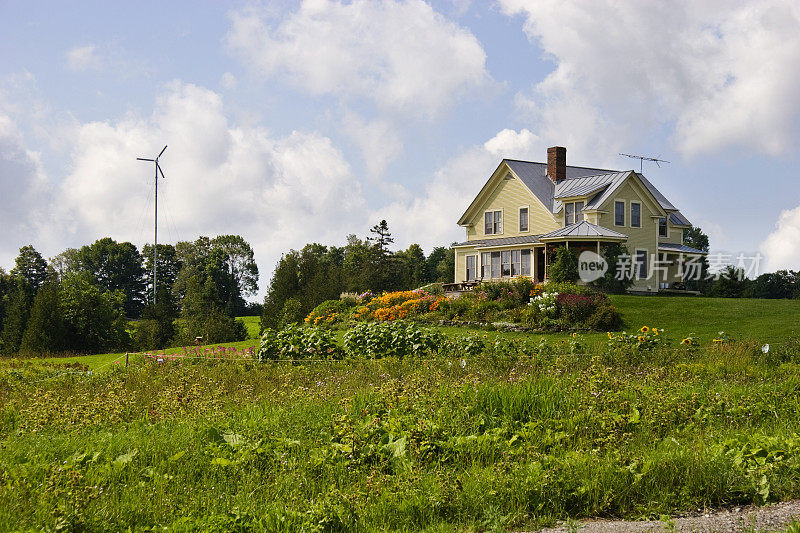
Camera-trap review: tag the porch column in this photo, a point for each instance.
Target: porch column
(545, 262)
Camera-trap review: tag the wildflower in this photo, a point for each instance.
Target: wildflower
(644, 329)
(765, 348)
(641, 339)
(655, 330)
(610, 336)
(463, 363)
(717, 340)
(686, 341)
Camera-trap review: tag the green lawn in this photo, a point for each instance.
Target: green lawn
(761, 320)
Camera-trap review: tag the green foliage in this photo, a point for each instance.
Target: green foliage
(203, 314)
(292, 312)
(156, 329)
(610, 283)
(296, 342)
(780, 284)
(731, 283)
(564, 267)
(390, 339)
(45, 330)
(116, 266)
(167, 268)
(94, 320)
(16, 318)
(31, 267)
(605, 318)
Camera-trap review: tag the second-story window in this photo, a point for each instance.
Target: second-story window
(619, 213)
(636, 215)
(662, 227)
(578, 211)
(523, 219)
(569, 214)
(493, 222)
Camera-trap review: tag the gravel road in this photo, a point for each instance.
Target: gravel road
(770, 518)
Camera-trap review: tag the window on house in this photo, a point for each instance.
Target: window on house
(525, 270)
(662, 227)
(523, 219)
(516, 262)
(471, 270)
(578, 211)
(505, 263)
(636, 215)
(493, 222)
(569, 214)
(495, 264)
(619, 213)
(641, 264)
(486, 264)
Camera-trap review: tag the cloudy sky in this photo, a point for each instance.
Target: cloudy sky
(295, 122)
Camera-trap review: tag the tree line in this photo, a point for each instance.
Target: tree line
(82, 299)
(307, 277)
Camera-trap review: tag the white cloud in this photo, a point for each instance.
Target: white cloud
(82, 58)
(721, 74)
(401, 54)
(781, 248)
(277, 192)
(23, 188)
(228, 81)
(430, 219)
(379, 142)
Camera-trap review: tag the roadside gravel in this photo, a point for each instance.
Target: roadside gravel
(768, 518)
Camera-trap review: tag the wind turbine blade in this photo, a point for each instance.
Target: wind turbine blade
(143, 159)
(161, 171)
(162, 151)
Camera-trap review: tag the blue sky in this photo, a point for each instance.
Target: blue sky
(296, 122)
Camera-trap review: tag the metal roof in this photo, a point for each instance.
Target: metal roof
(583, 229)
(503, 241)
(580, 181)
(578, 187)
(672, 247)
(678, 219)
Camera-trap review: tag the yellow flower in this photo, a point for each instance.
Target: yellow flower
(609, 335)
(644, 329)
(717, 340)
(641, 339)
(574, 334)
(686, 341)
(655, 331)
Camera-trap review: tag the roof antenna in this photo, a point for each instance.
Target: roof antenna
(642, 158)
(155, 233)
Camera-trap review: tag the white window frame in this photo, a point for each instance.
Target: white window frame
(519, 219)
(624, 209)
(502, 217)
(568, 222)
(576, 211)
(640, 214)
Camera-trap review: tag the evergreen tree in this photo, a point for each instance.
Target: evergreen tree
(698, 240)
(414, 267)
(45, 331)
(16, 319)
(731, 283)
(432, 262)
(156, 329)
(168, 267)
(6, 287)
(203, 315)
(285, 284)
(31, 267)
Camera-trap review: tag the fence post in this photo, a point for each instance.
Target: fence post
(126, 359)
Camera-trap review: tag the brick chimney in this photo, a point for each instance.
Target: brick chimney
(557, 163)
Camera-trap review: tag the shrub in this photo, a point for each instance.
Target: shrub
(331, 311)
(575, 308)
(296, 342)
(605, 318)
(565, 266)
(396, 339)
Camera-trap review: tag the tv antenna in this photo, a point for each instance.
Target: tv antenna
(642, 158)
(155, 232)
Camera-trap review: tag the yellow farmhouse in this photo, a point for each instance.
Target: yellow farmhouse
(526, 210)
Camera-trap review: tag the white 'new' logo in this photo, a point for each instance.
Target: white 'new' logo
(591, 266)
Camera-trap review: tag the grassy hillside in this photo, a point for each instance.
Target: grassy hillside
(760, 320)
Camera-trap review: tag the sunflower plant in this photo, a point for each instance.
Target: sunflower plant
(646, 338)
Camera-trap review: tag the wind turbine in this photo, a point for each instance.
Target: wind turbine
(155, 233)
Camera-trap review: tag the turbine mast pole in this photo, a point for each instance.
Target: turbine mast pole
(155, 238)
